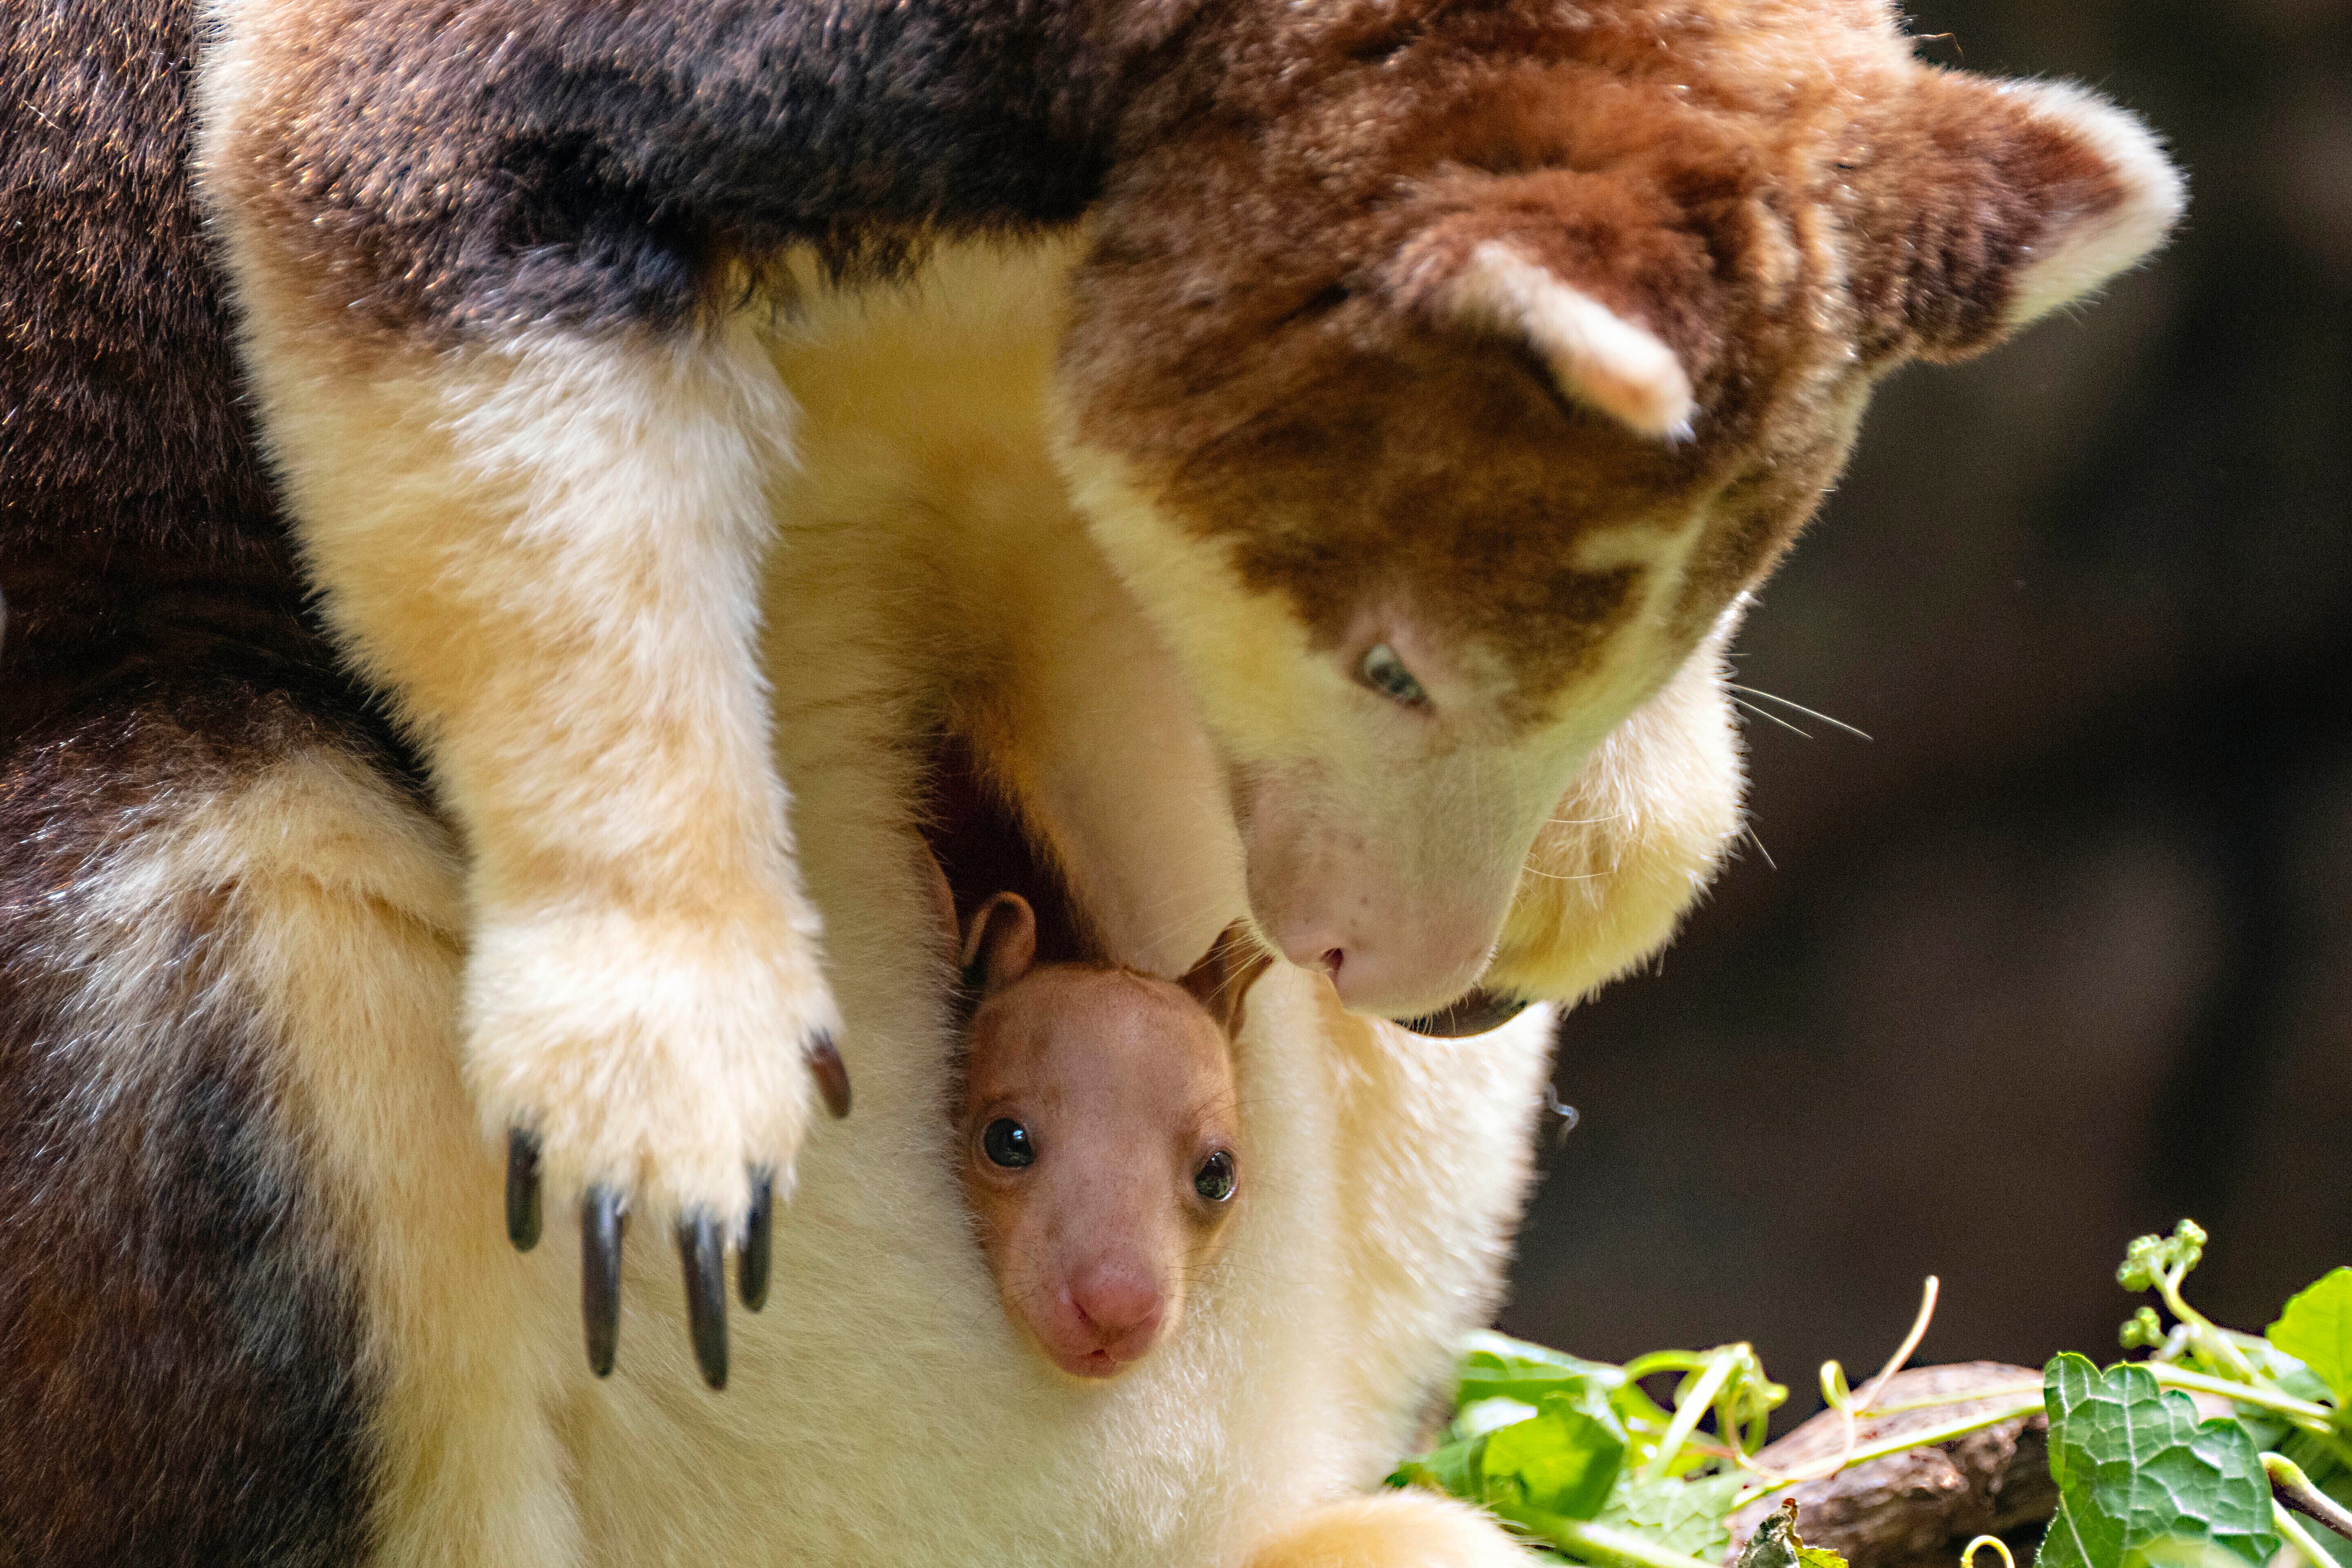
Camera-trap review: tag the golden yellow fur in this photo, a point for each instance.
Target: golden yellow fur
(1389, 1533)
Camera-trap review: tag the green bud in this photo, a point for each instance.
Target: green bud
(2144, 1259)
(2142, 1329)
(2187, 1244)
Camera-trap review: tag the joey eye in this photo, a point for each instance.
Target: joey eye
(1007, 1144)
(1385, 673)
(1214, 1179)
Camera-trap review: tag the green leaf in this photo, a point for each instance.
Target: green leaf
(1451, 1469)
(1501, 1348)
(2317, 1329)
(1688, 1517)
(1483, 1416)
(2141, 1484)
(1523, 1385)
(1635, 1409)
(1561, 1462)
(2291, 1375)
(1496, 1367)
(1818, 1557)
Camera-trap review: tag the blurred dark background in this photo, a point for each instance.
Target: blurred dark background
(2066, 952)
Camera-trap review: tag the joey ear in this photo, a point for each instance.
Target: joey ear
(1002, 944)
(1219, 982)
(1598, 358)
(2010, 199)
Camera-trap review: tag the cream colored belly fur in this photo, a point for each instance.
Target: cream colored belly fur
(881, 1409)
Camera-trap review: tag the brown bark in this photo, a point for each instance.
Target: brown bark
(1918, 1507)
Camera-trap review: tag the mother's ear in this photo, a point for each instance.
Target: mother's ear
(1948, 210)
(1596, 357)
(1996, 202)
(1219, 982)
(1002, 945)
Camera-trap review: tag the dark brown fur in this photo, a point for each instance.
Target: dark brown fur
(983, 848)
(136, 532)
(601, 164)
(179, 1341)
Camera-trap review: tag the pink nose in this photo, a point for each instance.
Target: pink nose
(1120, 1309)
(1315, 949)
(1395, 978)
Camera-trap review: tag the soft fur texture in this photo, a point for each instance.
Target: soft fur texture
(541, 313)
(184, 1375)
(881, 1408)
(1388, 335)
(1504, 346)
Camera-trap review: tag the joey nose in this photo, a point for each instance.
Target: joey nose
(1121, 1310)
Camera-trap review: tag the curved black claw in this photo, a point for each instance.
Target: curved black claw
(832, 1078)
(1474, 1014)
(703, 1251)
(758, 1241)
(522, 1189)
(600, 1274)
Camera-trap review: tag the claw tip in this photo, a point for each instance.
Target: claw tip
(523, 1190)
(831, 1076)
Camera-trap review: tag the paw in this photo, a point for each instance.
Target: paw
(652, 1068)
(1408, 1528)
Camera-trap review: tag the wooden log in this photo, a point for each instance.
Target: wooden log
(1918, 1507)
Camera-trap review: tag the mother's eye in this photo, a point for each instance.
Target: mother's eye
(1214, 1179)
(1007, 1144)
(1385, 673)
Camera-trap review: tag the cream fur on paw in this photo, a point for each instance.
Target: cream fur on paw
(1393, 1530)
(663, 1057)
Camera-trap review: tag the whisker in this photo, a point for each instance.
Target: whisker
(1747, 707)
(1800, 707)
(1749, 830)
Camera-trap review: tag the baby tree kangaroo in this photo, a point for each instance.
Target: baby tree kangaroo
(1438, 378)
(1097, 1131)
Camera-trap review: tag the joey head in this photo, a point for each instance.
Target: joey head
(1097, 1132)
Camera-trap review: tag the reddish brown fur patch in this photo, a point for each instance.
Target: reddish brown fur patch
(1781, 193)
(2009, 179)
